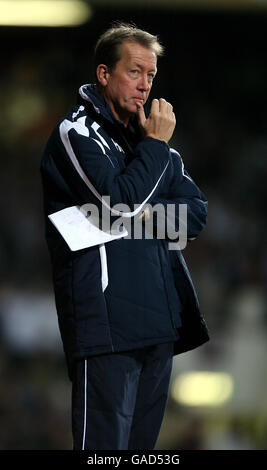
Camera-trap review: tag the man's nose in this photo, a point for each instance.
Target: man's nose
(144, 84)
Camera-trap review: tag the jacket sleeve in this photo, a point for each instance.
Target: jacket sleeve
(92, 171)
(181, 189)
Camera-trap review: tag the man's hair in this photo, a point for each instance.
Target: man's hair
(107, 50)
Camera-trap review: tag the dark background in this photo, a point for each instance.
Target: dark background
(214, 73)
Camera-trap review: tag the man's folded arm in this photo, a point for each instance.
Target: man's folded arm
(181, 196)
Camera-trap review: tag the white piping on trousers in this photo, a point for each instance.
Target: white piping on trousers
(85, 402)
(104, 266)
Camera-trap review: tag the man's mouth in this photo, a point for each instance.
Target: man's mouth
(138, 100)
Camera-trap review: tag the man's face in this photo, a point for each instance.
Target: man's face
(129, 83)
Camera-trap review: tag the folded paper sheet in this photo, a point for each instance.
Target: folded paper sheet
(80, 231)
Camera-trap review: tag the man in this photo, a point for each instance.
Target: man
(125, 307)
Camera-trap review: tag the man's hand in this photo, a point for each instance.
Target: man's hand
(161, 121)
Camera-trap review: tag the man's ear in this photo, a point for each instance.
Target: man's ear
(103, 74)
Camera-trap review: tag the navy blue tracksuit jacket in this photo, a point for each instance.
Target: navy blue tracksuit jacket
(148, 297)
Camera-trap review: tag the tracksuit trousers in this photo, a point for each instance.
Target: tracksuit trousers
(119, 399)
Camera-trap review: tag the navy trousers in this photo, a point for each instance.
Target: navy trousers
(119, 399)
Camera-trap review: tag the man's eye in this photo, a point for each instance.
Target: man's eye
(134, 71)
(151, 76)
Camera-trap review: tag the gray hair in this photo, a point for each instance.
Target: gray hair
(107, 50)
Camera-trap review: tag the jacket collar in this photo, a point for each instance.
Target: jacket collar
(98, 108)
(88, 94)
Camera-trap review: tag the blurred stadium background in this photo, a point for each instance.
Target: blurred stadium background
(215, 74)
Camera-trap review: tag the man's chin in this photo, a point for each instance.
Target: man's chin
(131, 110)
(136, 107)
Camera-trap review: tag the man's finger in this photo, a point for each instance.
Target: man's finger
(162, 104)
(154, 106)
(170, 108)
(141, 115)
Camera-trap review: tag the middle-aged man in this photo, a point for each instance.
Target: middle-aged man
(125, 307)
